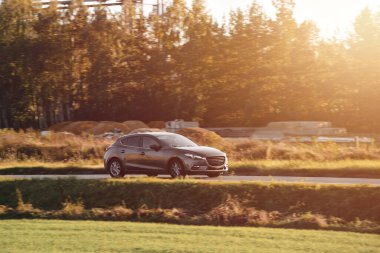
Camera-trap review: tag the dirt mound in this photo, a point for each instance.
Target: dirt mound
(201, 136)
(59, 126)
(146, 130)
(96, 128)
(108, 126)
(135, 124)
(157, 124)
(79, 127)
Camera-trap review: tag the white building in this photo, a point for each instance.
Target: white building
(175, 125)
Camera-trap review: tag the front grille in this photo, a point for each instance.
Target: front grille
(216, 160)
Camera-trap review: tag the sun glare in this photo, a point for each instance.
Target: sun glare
(333, 17)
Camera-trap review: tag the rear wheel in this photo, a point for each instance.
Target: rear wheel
(115, 169)
(213, 174)
(176, 169)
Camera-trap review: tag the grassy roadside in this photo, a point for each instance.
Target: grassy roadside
(62, 236)
(343, 168)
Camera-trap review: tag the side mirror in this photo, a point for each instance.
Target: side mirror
(155, 147)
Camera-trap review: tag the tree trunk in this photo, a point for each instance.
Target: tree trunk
(4, 118)
(51, 115)
(42, 118)
(68, 112)
(60, 114)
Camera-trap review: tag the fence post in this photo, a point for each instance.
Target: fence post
(268, 153)
(357, 143)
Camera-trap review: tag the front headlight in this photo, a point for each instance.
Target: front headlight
(194, 157)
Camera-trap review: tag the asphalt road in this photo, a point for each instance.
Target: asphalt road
(313, 180)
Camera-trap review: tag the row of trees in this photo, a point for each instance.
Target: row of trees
(93, 64)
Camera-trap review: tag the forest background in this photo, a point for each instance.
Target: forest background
(96, 64)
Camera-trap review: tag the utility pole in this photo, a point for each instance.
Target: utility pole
(131, 9)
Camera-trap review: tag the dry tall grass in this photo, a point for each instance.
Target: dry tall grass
(31, 145)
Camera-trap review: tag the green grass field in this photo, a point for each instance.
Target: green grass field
(96, 236)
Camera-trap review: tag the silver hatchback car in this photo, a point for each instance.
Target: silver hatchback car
(156, 153)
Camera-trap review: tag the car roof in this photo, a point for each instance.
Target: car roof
(150, 133)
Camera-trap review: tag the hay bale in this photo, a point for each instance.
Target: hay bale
(146, 130)
(202, 136)
(108, 126)
(79, 127)
(59, 126)
(135, 124)
(157, 124)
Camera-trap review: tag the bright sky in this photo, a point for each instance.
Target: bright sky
(333, 17)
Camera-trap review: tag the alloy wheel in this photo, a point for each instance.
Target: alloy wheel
(176, 169)
(115, 169)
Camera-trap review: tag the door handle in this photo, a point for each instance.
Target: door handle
(123, 151)
(142, 153)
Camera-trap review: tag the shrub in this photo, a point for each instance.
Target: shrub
(78, 127)
(157, 124)
(108, 126)
(205, 137)
(59, 127)
(70, 208)
(135, 124)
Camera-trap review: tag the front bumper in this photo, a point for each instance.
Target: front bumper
(205, 168)
(202, 166)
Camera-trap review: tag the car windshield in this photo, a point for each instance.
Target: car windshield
(175, 140)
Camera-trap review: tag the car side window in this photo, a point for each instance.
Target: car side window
(131, 141)
(147, 142)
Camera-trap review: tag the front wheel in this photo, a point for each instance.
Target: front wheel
(213, 174)
(176, 169)
(115, 169)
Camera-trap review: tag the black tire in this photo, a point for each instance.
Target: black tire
(176, 169)
(213, 174)
(115, 168)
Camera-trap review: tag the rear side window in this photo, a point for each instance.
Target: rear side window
(132, 141)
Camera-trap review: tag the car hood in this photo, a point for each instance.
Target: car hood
(201, 150)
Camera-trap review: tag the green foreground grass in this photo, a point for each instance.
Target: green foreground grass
(98, 236)
(343, 168)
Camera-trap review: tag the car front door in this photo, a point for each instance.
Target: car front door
(153, 159)
(132, 152)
